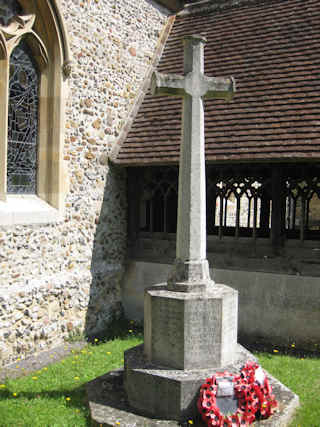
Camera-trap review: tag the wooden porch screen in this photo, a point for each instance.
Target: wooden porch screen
(276, 201)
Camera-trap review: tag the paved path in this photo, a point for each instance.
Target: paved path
(39, 360)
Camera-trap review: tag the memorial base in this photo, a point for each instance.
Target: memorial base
(109, 406)
(168, 393)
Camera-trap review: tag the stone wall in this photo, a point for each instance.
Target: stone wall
(279, 309)
(60, 278)
(279, 295)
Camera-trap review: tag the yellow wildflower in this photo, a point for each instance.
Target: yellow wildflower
(2, 386)
(34, 378)
(68, 398)
(76, 378)
(276, 351)
(14, 394)
(190, 422)
(130, 330)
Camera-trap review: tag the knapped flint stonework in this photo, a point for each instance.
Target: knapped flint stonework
(53, 275)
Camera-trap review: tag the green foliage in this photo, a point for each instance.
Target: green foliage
(55, 396)
(118, 328)
(302, 376)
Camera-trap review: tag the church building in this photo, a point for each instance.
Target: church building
(89, 163)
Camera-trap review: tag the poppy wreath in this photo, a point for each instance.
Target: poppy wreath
(258, 387)
(252, 390)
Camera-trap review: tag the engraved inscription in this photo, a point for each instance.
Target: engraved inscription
(203, 331)
(230, 324)
(167, 324)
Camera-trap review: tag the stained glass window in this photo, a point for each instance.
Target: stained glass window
(22, 122)
(8, 9)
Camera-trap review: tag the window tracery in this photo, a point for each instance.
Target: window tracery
(22, 122)
(34, 67)
(8, 9)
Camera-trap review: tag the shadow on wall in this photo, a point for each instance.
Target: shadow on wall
(108, 254)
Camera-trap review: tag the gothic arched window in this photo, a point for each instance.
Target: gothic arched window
(34, 66)
(22, 152)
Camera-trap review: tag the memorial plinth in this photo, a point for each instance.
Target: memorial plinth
(190, 323)
(190, 330)
(165, 393)
(187, 337)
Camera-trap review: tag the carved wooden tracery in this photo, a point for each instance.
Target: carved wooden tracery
(242, 200)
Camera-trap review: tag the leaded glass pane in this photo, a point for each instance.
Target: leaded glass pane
(22, 122)
(8, 9)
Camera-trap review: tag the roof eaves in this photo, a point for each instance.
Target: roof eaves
(173, 6)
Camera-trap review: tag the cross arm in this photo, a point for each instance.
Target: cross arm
(220, 88)
(167, 84)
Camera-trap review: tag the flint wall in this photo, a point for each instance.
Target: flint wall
(63, 277)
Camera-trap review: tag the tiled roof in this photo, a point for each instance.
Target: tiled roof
(172, 5)
(272, 49)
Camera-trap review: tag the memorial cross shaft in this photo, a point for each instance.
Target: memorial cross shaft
(191, 269)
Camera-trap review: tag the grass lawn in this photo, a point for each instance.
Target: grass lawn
(302, 376)
(55, 396)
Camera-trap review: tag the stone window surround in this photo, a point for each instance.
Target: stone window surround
(23, 209)
(49, 45)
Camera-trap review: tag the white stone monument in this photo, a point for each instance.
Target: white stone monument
(191, 270)
(190, 323)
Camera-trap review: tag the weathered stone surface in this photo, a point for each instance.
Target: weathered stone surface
(101, 89)
(191, 270)
(191, 330)
(273, 306)
(108, 404)
(169, 393)
(52, 309)
(39, 360)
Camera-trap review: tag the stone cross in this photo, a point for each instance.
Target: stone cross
(191, 269)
